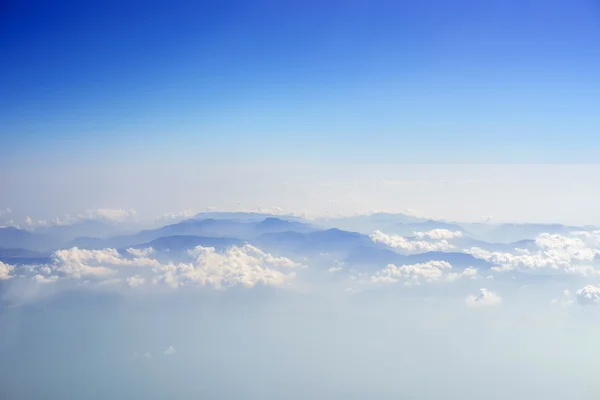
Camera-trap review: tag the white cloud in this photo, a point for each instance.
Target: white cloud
(5, 271)
(135, 281)
(10, 224)
(43, 279)
(412, 274)
(589, 295)
(77, 270)
(101, 214)
(411, 246)
(106, 282)
(485, 298)
(438, 234)
(141, 253)
(45, 269)
(176, 216)
(170, 351)
(335, 269)
(469, 273)
(554, 252)
(76, 262)
(109, 214)
(28, 221)
(590, 237)
(79, 256)
(246, 265)
(274, 210)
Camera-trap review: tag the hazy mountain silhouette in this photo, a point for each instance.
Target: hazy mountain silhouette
(20, 253)
(208, 228)
(52, 237)
(244, 216)
(20, 239)
(330, 240)
(183, 242)
(22, 256)
(16, 238)
(369, 257)
(93, 228)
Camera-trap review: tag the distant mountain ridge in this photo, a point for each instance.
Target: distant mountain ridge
(213, 228)
(324, 240)
(282, 236)
(245, 216)
(183, 242)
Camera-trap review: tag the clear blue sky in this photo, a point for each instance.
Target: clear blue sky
(389, 81)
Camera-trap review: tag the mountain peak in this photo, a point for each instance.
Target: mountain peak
(273, 221)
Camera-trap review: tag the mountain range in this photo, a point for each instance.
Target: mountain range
(283, 236)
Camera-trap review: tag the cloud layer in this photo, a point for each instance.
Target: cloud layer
(484, 298)
(272, 315)
(438, 243)
(247, 266)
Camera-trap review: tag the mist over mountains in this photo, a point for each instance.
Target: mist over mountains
(283, 235)
(354, 307)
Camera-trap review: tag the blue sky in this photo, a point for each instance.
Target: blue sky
(147, 112)
(352, 81)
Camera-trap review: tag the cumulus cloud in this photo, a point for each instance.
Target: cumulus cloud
(141, 253)
(170, 351)
(485, 298)
(249, 266)
(438, 234)
(415, 274)
(592, 238)
(5, 219)
(588, 295)
(44, 279)
(554, 252)
(135, 281)
(75, 262)
(274, 210)
(75, 259)
(5, 271)
(411, 246)
(469, 272)
(109, 214)
(246, 265)
(177, 216)
(45, 269)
